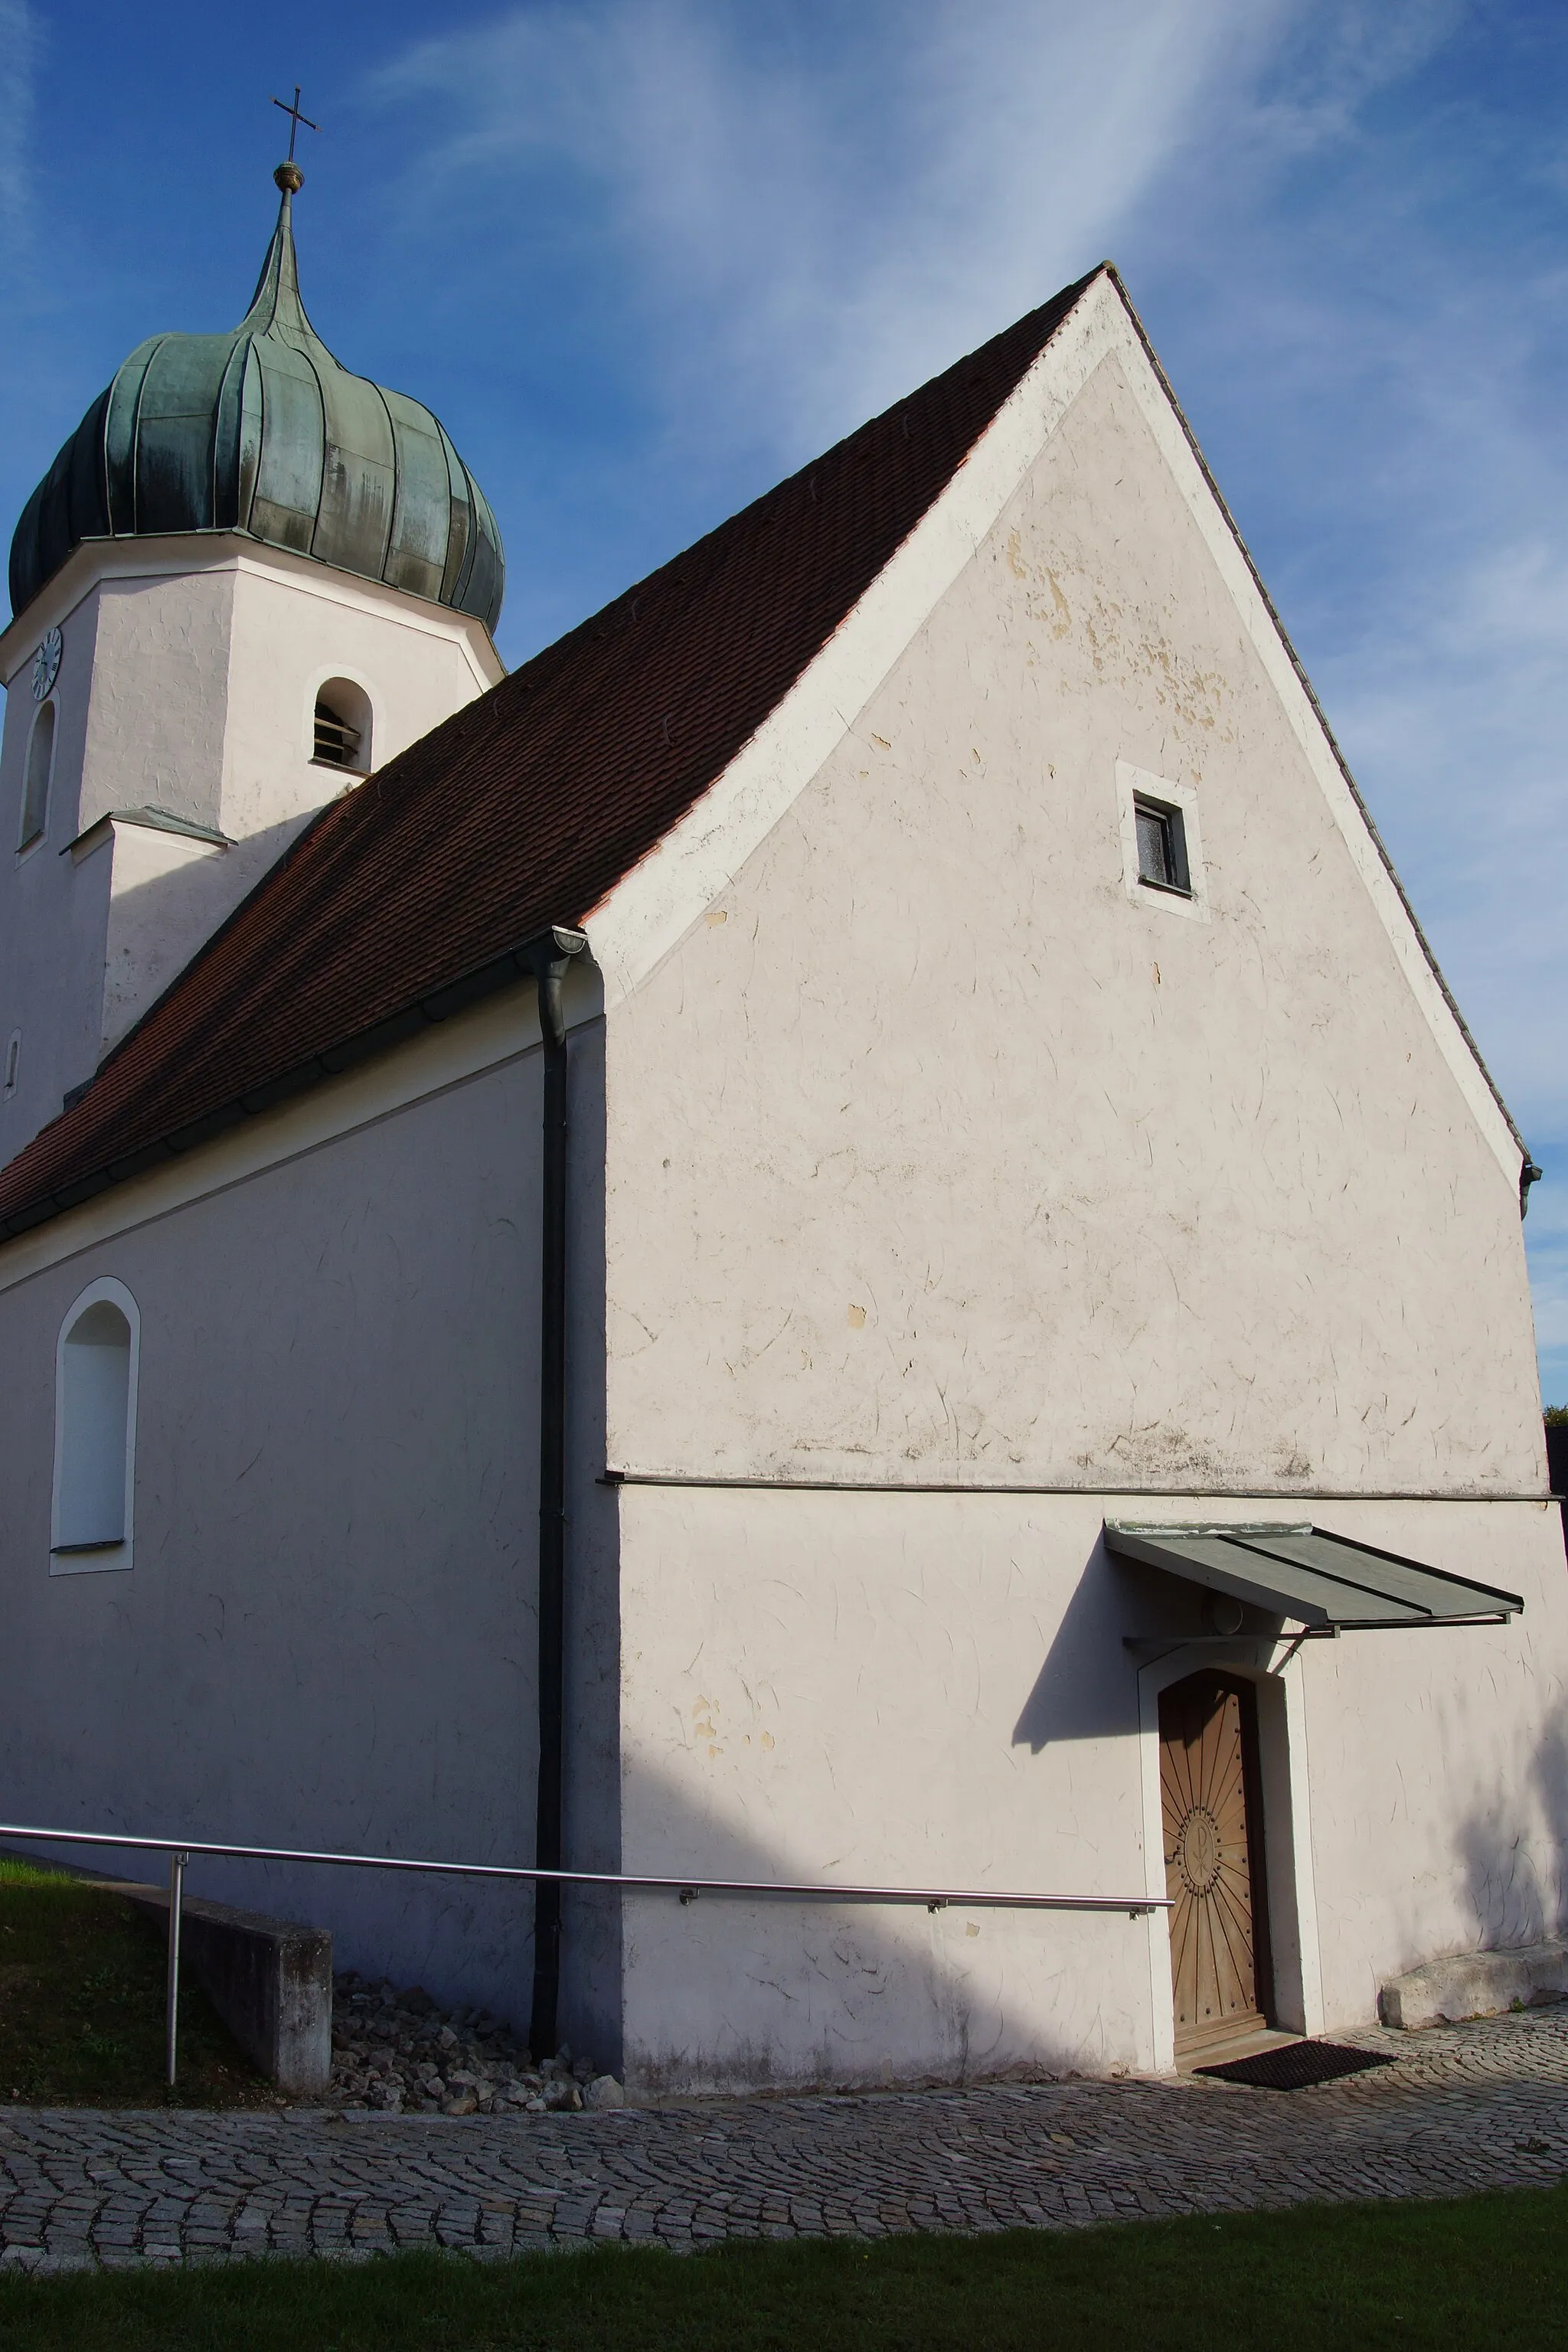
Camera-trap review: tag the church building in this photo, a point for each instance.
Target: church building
(842, 1235)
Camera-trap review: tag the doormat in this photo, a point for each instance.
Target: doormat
(1296, 2066)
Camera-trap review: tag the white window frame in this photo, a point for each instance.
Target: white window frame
(1135, 784)
(114, 1554)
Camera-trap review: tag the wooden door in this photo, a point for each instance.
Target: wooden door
(1212, 1856)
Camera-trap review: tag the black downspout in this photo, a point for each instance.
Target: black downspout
(547, 958)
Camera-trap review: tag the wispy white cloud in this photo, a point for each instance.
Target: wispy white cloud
(1431, 597)
(1330, 61)
(1547, 1231)
(1453, 713)
(815, 228)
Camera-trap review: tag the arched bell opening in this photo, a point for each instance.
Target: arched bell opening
(342, 727)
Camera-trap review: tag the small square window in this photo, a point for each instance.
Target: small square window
(1162, 846)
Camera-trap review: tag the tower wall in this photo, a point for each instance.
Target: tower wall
(187, 687)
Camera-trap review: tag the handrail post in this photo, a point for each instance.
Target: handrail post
(172, 1994)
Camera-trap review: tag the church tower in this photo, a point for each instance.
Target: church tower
(248, 578)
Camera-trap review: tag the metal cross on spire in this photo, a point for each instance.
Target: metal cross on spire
(295, 120)
(289, 175)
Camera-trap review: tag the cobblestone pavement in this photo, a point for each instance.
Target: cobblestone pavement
(1465, 2108)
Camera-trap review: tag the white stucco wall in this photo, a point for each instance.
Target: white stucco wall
(293, 631)
(53, 920)
(329, 1637)
(158, 698)
(1439, 1760)
(933, 1690)
(166, 889)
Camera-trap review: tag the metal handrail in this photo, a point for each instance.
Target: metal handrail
(934, 1899)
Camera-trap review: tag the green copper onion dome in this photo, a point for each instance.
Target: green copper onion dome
(261, 431)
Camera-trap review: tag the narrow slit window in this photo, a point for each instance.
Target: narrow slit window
(1162, 846)
(13, 1058)
(94, 1427)
(35, 781)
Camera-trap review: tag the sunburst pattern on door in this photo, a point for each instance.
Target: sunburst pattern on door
(1208, 1860)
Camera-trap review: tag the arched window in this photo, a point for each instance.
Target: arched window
(342, 728)
(36, 781)
(95, 1430)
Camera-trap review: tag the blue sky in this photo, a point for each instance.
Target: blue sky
(644, 256)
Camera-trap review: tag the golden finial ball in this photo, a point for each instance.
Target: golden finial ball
(290, 178)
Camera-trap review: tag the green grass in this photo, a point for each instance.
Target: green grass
(1486, 2271)
(81, 2006)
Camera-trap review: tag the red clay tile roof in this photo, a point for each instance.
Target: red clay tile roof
(523, 809)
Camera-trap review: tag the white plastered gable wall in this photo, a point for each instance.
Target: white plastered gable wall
(650, 911)
(1094, 381)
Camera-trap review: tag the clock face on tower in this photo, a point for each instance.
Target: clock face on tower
(45, 665)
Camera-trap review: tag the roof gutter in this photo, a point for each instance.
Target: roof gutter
(441, 1004)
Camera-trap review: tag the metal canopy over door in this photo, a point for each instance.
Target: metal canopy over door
(1327, 1583)
(1214, 1857)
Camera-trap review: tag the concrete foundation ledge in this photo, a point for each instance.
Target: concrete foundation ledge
(1475, 1984)
(270, 1981)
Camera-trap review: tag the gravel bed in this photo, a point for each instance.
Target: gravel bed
(398, 2053)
